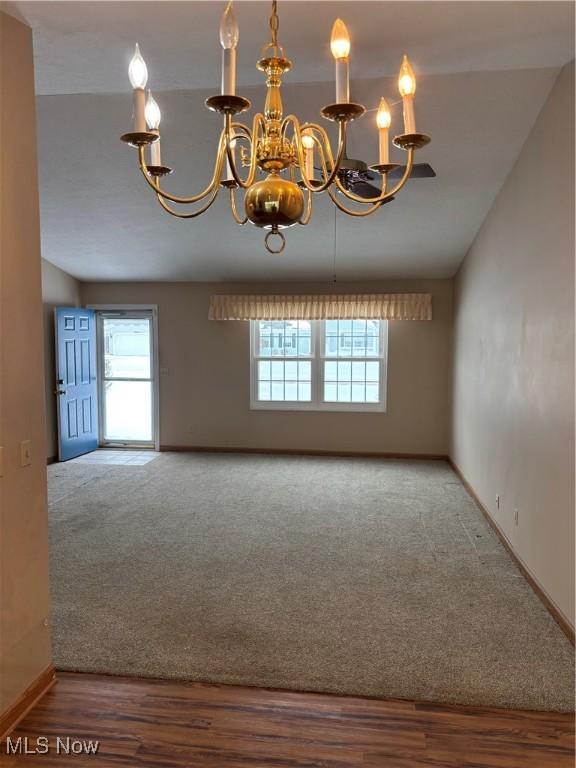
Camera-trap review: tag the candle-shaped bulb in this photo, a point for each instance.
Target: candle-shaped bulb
(152, 112)
(307, 141)
(383, 116)
(340, 40)
(383, 120)
(229, 32)
(308, 144)
(138, 71)
(406, 79)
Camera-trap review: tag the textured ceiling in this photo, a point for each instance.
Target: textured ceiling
(485, 70)
(84, 47)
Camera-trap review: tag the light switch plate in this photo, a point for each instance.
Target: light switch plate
(25, 453)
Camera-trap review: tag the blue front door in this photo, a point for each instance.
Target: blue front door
(76, 383)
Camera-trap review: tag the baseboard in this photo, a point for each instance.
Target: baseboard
(27, 701)
(562, 621)
(303, 452)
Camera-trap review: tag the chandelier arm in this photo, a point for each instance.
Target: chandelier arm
(386, 195)
(192, 215)
(329, 177)
(237, 218)
(306, 218)
(257, 122)
(324, 144)
(342, 207)
(244, 131)
(293, 120)
(155, 184)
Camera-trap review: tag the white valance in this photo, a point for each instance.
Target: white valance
(373, 306)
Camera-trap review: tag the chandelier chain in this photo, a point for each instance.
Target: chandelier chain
(335, 246)
(274, 22)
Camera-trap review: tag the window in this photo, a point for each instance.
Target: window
(319, 365)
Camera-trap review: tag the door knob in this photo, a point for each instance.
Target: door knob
(59, 391)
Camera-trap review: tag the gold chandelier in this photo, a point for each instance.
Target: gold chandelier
(287, 151)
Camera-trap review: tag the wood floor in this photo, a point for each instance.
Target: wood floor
(163, 724)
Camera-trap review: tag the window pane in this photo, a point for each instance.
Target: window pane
(304, 391)
(344, 371)
(359, 371)
(372, 346)
(344, 393)
(290, 341)
(277, 390)
(331, 344)
(264, 390)
(291, 390)
(305, 371)
(126, 348)
(128, 410)
(285, 338)
(291, 370)
(345, 345)
(304, 344)
(277, 367)
(373, 327)
(359, 346)
(372, 371)
(358, 393)
(330, 371)
(264, 370)
(330, 393)
(265, 345)
(352, 338)
(372, 393)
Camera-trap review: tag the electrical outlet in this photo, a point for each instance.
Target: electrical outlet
(25, 453)
(497, 502)
(516, 517)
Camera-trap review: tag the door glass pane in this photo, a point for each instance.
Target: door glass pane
(128, 409)
(126, 348)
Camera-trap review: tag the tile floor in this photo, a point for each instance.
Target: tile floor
(122, 456)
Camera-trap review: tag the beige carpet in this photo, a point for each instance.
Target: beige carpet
(369, 577)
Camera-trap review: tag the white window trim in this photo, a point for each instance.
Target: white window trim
(317, 359)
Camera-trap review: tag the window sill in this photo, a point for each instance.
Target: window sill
(320, 408)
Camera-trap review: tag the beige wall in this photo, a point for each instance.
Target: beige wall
(513, 411)
(24, 601)
(205, 374)
(59, 289)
